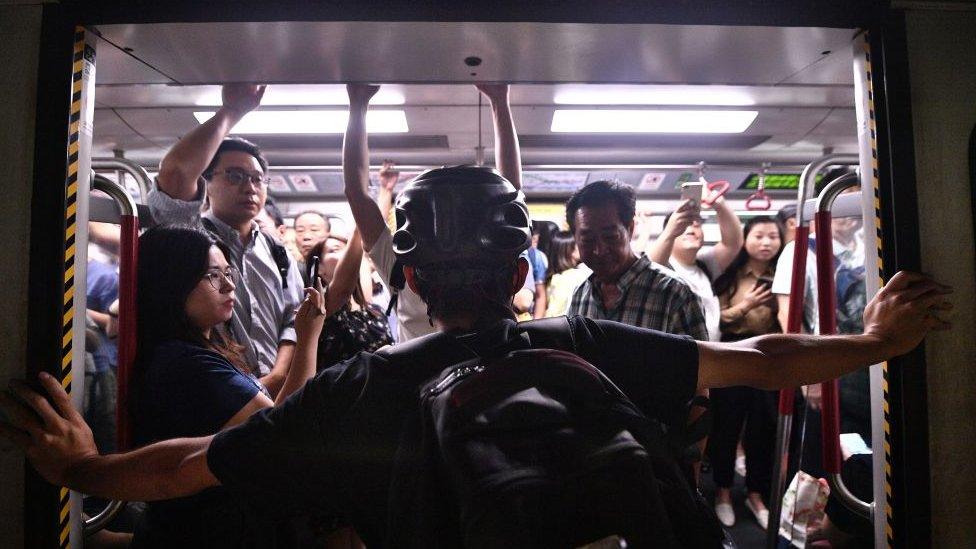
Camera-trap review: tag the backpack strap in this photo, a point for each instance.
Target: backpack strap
(278, 252)
(280, 256)
(550, 333)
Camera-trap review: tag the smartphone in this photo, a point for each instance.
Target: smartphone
(764, 281)
(692, 191)
(313, 270)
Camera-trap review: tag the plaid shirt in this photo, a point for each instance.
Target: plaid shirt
(650, 298)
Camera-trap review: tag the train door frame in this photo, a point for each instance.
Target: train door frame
(907, 401)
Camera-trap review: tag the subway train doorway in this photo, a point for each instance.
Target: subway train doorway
(792, 98)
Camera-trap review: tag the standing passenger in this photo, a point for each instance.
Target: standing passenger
(748, 310)
(412, 318)
(232, 175)
(681, 246)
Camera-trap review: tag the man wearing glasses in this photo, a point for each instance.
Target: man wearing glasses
(231, 175)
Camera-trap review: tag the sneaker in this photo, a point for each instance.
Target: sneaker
(726, 514)
(762, 515)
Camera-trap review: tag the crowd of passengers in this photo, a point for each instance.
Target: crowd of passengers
(238, 309)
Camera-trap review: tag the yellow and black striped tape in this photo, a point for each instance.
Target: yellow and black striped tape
(875, 185)
(70, 228)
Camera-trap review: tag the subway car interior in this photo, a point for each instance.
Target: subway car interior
(777, 119)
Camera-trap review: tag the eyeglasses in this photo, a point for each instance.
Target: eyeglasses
(217, 279)
(240, 177)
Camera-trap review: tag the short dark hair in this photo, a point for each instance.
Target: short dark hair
(272, 208)
(481, 291)
(328, 223)
(786, 213)
(599, 193)
(239, 145)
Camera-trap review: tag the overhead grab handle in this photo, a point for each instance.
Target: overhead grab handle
(758, 200)
(716, 189)
(827, 303)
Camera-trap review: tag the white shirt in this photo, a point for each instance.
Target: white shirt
(701, 284)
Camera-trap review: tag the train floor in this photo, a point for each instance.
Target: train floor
(746, 531)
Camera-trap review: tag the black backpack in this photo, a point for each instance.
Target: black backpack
(537, 448)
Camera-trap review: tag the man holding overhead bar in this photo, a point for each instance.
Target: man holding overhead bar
(231, 175)
(412, 317)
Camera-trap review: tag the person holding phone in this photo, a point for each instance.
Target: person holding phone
(354, 324)
(681, 246)
(748, 309)
(191, 379)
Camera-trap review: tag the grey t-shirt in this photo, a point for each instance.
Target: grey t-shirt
(264, 312)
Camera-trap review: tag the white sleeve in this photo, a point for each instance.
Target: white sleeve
(707, 256)
(166, 210)
(784, 271)
(382, 255)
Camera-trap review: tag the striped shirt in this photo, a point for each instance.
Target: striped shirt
(650, 297)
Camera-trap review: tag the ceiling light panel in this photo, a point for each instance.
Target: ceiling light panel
(612, 94)
(312, 122)
(308, 95)
(651, 121)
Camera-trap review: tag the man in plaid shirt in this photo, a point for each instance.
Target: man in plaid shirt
(624, 287)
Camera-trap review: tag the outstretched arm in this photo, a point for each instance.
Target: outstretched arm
(895, 322)
(731, 233)
(183, 165)
(389, 176)
(355, 166)
(60, 446)
(508, 158)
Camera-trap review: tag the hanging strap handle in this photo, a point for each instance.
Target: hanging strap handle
(758, 200)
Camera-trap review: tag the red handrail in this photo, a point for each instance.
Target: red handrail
(127, 327)
(827, 305)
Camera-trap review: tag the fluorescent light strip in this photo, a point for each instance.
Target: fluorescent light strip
(307, 95)
(651, 121)
(622, 94)
(312, 122)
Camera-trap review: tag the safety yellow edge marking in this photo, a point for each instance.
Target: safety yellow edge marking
(70, 230)
(876, 186)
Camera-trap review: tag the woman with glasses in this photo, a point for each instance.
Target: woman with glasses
(190, 378)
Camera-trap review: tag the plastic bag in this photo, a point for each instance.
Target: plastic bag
(803, 509)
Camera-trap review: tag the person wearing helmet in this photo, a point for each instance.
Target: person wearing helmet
(333, 445)
(412, 318)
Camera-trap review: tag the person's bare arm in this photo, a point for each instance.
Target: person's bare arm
(106, 235)
(346, 275)
(308, 327)
(783, 311)
(355, 166)
(276, 378)
(895, 322)
(541, 301)
(183, 165)
(660, 250)
(60, 446)
(730, 230)
(508, 157)
(389, 177)
(259, 402)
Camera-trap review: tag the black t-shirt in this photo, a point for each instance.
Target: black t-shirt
(332, 446)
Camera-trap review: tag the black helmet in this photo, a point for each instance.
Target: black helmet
(461, 213)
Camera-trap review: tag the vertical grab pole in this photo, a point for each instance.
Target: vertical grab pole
(827, 298)
(784, 424)
(127, 330)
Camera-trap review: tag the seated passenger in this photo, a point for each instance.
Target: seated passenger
(190, 379)
(353, 324)
(335, 444)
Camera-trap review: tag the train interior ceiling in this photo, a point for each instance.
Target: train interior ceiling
(774, 96)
